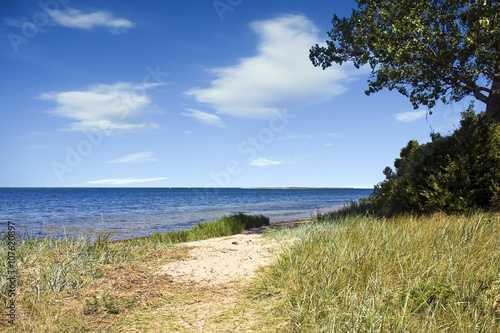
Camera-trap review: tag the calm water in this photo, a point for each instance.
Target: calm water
(135, 212)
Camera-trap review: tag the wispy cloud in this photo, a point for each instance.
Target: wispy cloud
(74, 18)
(123, 181)
(135, 158)
(291, 137)
(279, 74)
(263, 162)
(334, 135)
(109, 108)
(204, 117)
(410, 116)
(294, 160)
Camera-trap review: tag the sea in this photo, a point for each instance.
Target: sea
(124, 213)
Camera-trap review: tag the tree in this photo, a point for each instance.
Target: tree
(428, 50)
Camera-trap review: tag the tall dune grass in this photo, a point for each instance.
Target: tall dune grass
(358, 273)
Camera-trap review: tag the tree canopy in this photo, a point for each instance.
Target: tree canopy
(429, 51)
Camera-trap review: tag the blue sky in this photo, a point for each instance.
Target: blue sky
(191, 94)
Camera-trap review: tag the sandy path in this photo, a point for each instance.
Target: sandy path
(220, 260)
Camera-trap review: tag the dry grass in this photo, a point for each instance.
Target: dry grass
(365, 274)
(131, 296)
(74, 285)
(51, 297)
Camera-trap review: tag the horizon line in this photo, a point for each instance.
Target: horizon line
(196, 187)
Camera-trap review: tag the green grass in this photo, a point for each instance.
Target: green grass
(359, 273)
(225, 226)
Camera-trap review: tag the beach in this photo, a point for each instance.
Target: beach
(214, 275)
(349, 270)
(199, 286)
(221, 260)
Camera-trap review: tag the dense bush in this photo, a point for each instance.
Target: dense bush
(455, 173)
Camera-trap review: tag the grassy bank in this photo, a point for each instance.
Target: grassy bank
(356, 273)
(348, 272)
(73, 284)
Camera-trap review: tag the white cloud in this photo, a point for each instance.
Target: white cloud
(263, 162)
(204, 117)
(123, 181)
(135, 158)
(280, 73)
(74, 18)
(334, 135)
(108, 108)
(410, 116)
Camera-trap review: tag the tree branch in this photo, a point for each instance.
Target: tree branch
(480, 96)
(484, 89)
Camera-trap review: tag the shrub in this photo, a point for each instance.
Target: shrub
(455, 173)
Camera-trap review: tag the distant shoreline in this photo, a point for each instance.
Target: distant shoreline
(306, 188)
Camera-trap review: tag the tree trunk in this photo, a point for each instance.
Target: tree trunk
(493, 104)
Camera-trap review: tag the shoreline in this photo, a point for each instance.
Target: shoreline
(138, 212)
(256, 230)
(108, 237)
(61, 231)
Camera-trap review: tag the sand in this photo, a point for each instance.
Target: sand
(218, 261)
